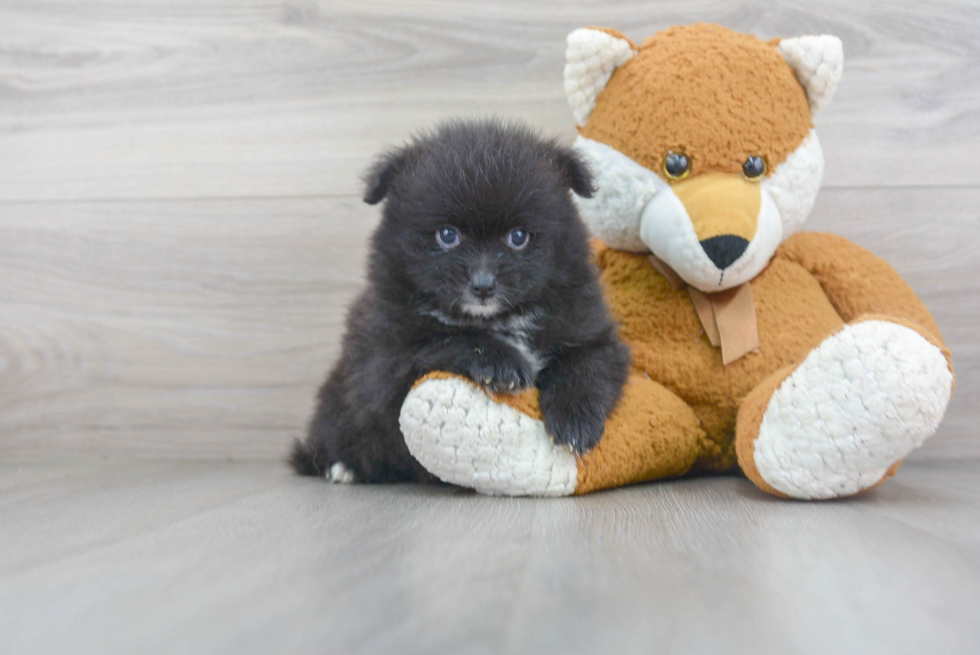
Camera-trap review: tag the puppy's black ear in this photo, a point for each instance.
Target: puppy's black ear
(383, 171)
(574, 172)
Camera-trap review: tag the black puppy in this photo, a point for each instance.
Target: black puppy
(480, 267)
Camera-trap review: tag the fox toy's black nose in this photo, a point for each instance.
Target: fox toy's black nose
(724, 249)
(483, 285)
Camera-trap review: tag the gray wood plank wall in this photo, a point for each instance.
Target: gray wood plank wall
(180, 224)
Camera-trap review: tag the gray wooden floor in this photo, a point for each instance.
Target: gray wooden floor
(192, 557)
(181, 231)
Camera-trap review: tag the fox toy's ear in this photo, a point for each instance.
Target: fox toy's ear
(574, 172)
(592, 56)
(817, 61)
(378, 177)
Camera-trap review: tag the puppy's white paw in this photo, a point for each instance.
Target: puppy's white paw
(862, 400)
(340, 474)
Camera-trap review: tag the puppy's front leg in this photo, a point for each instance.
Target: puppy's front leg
(579, 388)
(489, 362)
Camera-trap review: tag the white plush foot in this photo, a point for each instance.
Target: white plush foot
(462, 436)
(340, 474)
(862, 400)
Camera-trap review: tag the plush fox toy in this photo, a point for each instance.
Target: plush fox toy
(799, 358)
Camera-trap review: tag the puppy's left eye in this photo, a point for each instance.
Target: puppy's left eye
(518, 238)
(447, 237)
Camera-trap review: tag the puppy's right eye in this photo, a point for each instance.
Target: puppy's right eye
(517, 238)
(447, 238)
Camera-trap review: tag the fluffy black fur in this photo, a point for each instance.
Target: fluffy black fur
(422, 310)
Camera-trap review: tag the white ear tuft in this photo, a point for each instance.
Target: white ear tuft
(818, 61)
(590, 60)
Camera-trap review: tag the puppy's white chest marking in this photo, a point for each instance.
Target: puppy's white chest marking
(516, 331)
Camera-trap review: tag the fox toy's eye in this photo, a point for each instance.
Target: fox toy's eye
(518, 238)
(676, 166)
(447, 237)
(754, 167)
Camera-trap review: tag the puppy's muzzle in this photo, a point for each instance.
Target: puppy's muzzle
(483, 285)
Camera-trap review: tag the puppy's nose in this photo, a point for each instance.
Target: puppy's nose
(724, 250)
(483, 284)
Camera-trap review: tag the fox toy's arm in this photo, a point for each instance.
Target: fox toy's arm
(857, 282)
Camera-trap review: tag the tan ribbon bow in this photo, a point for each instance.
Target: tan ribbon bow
(728, 317)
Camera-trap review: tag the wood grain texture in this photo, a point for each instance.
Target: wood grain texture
(115, 557)
(267, 98)
(202, 328)
(180, 235)
(180, 231)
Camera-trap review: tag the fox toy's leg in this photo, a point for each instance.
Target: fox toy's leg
(498, 444)
(842, 421)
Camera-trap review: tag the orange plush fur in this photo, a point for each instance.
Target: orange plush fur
(731, 96)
